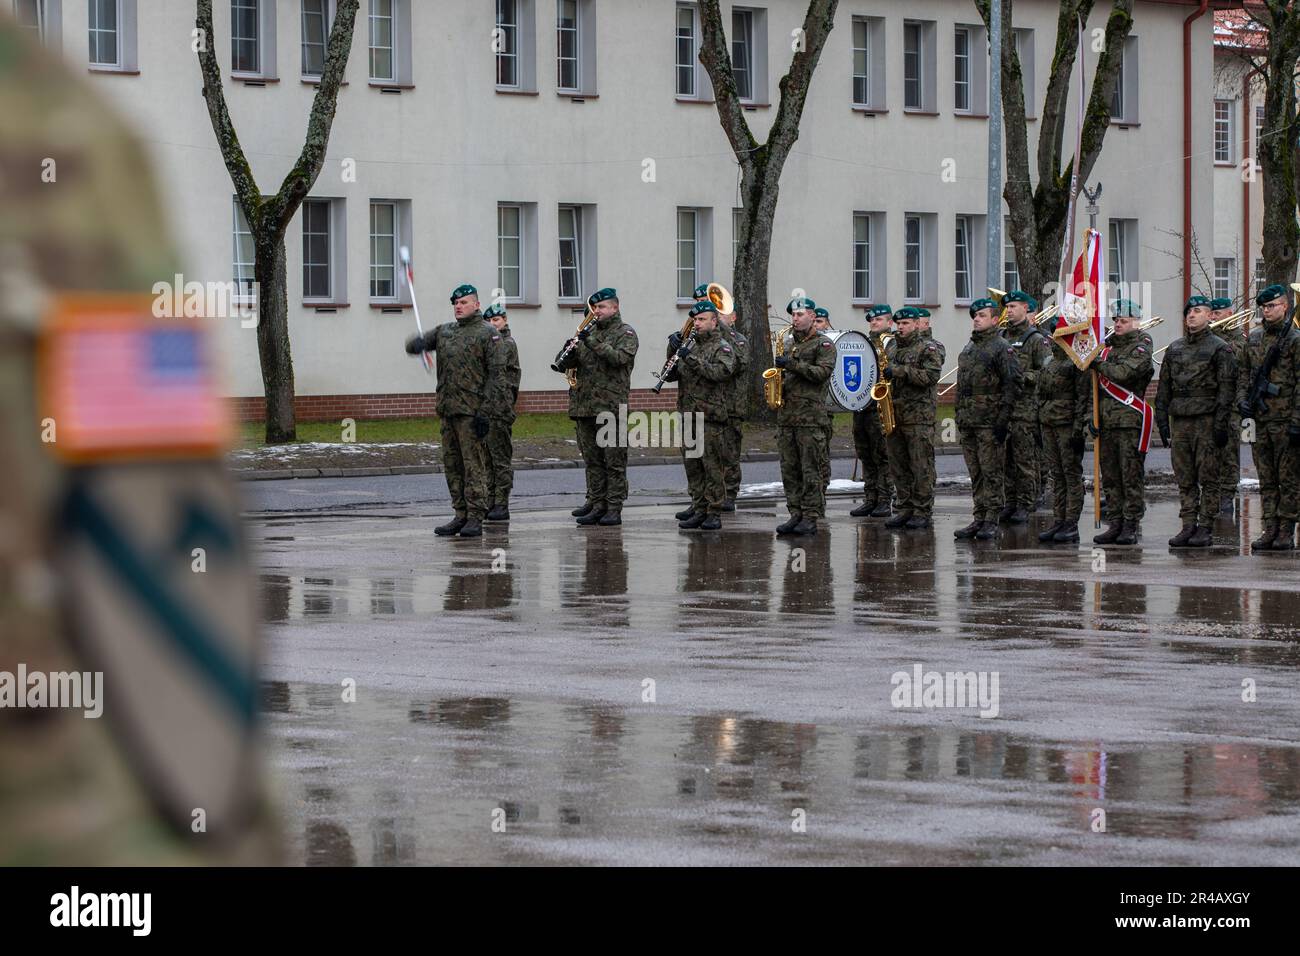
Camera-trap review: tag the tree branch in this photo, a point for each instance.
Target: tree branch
(717, 61)
(232, 154)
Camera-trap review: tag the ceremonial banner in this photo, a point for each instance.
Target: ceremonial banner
(1081, 319)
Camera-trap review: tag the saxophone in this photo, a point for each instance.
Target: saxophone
(883, 391)
(772, 378)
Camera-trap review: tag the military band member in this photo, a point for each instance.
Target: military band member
(822, 323)
(472, 386)
(499, 447)
(1064, 411)
(1230, 475)
(705, 369)
(1197, 389)
(869, 435)
(603, 364)
(733, 434)
(988, 383)
(915, 364)
(1126, 362)
(1032, 351)
(800, 423)
(1273, 401)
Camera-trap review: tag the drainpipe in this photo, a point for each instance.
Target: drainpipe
(1187, 146)
(1247, 124)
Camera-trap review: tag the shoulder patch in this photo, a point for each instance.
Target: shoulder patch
(826, 344)
(496, 338)
(628, 332)
(1140, 349)
(725, 349)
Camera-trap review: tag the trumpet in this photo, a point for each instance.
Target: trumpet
(688, 339)
(883, 391)
(773, 377)
(569, 346)
(1230, 322)
(1000, 296)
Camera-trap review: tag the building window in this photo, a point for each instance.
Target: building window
(316, 251)
(1259, 277)
(1122, 255)
(961, 70)
(383, 63)
(912, 259)
(962, 260)
(1124, 100)
(1010, 271)
(1259, 133)
(245, 256)
(869, 62)
(685, 51)
(245, 29)
(507, 44)
(862, 256)
(383, 250)
(918, 66)
(1025, 52)
(315, 33)
(1223, 285)
(103, 28)
(570, 252)
(515, 43)
(970, 71)
(1223, 131)
(694, 250)
(510, 251)
(42, 19)
(742, 52)
(567, 48)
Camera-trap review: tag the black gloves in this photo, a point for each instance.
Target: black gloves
(888, 373)
(1000, 434)
(782, 361)
(1245, 410)
(675, 341)
(1094, 430)
(583, 333)
(683, 350)
(1038, 437)
(415, 345)
(481, 427)
(1077, 443)
(1221, 437)
(1293, 436)
(1164, 435)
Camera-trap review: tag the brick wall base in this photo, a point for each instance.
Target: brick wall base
(330, 408)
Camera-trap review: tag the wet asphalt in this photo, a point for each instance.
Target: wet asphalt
(643, 695)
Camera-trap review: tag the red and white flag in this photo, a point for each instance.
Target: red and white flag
(1081, 319)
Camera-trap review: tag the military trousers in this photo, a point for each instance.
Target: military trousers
(1278, 466)
(1065, 468)
(704, 471)
(911, 465)
(870, 447)
(1123, 473)
(1230, 461)
(1022, 464)
(733, 434)
(606, 463)
(1198, 467)
(464, 462)
(984, 460)
(500, 451)
(828, 432)
(802, 448)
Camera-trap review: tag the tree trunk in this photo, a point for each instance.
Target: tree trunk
(273, 338)
(1277, 156)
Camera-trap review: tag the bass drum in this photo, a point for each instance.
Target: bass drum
(857, 368)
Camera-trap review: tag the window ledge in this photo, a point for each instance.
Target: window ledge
(754, 106)
(315, 81)
(385, 85)
(1226, 165)
(511, 91)
(869, 110)
(575, 95)
(253, 79)
(694, 99)
(522, 305)
(577, 303)
(112, 69)
(961, 115)
(395, 306)
(864, 304)
(1123, 124)
(327, 305)
(907, 112)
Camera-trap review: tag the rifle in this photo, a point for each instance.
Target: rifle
(1260, 386)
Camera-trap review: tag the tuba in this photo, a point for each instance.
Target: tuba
(773, 377)
(883, 391)
(721, 299)
(558, 365)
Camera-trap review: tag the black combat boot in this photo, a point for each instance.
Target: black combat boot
(1285, 540)
(1050, 533)
(594, 515)
(968, 531)
(882, 510)
(1181, 538)
(686, 515)
(1110, 534)
(694, 521)
(899, 520)
(612, 517)
(863, 510)
(1265, 541)
(728, 505)
(917, 522)
(806, 526)
(711, 523)
(1005, 514)
(451, 527)
(987, 532)
(1128, 533)
(583, 511)
(498, 513)
(788, 526)
(1069, 533)
(473, 528)
(1201, 538)
(1019, 515)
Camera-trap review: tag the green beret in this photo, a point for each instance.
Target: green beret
(1021, 296)
(463, 290)
(980, 304)
(1194, 301)
(880, 309)
(922, 313)
(907, 312)
(492, 311)
(1125, 307)
(1217, 304)
(802, 302)
(821, 313)
(701, 291)
(701, 307)
(1269, 293)
(600, 295)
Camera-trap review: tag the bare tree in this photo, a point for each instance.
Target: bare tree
(760, 163)
(269, 216)
(1038, 212)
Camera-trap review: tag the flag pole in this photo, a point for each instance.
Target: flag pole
(1096, 454)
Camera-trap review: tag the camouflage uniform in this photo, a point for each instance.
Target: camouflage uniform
(988, 383)
(1277, 423)
(872, 450)
(500, 448)
(705, 375)
(1123, 465)
(1032, 351)
(1198, 383)
(1230, 466)
(801, 421)
(604, 363)
(471, 385)
(916, 363)
(1065, 408)
(733, 433)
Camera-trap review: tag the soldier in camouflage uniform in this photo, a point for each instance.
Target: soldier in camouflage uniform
(868, 434)
(705, 369)
(822, 323)
(1230, 474)
(739, 409)
(1126, 361)
(1277, 418)
(808, 363)
(988, 381)
(1197, 389)
(472, 387)
(915, 364)
(1032, 351)
(603, 363)
(1064, 411)
(500, 448)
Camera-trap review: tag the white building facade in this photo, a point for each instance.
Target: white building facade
(548, 148)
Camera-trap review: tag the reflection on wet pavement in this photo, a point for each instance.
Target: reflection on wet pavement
(641, 695)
